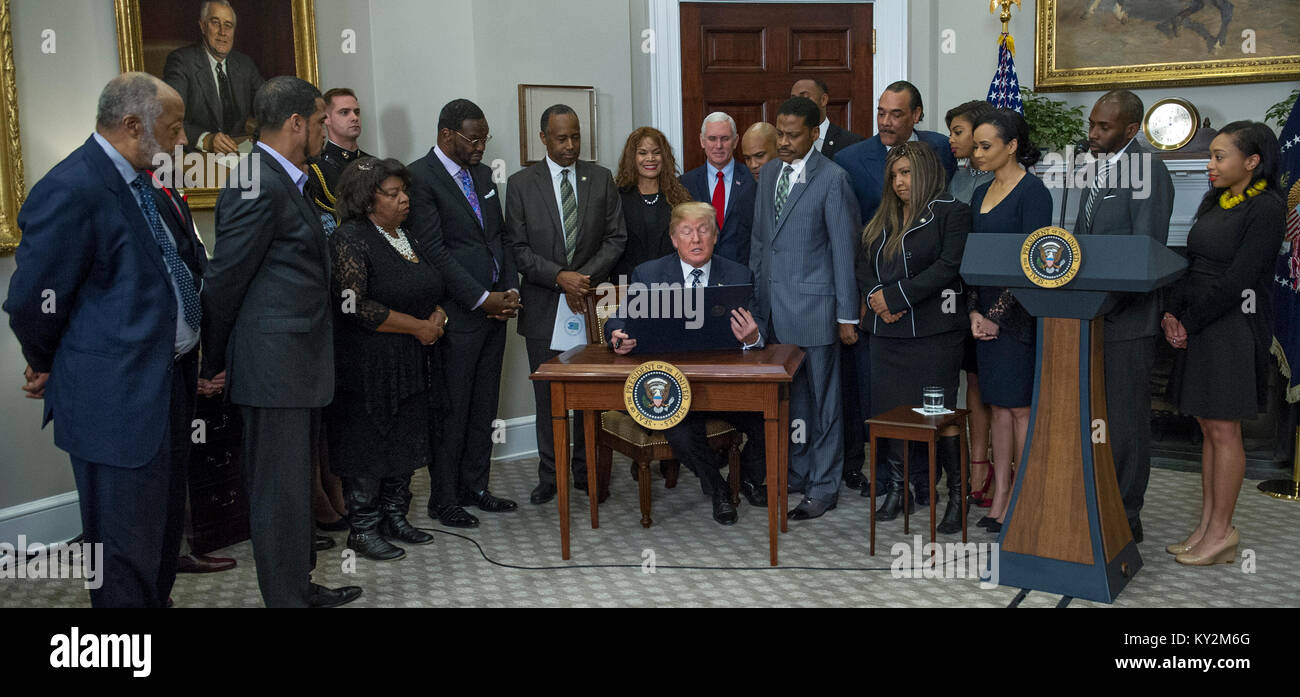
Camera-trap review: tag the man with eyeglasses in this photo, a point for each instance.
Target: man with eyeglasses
(216, 82)
(456, 221)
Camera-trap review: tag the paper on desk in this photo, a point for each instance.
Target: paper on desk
(923, 412)
(570, 328)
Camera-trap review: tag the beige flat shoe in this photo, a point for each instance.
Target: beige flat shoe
(1225, 553)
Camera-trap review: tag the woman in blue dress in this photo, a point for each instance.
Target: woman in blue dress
(1014, 202)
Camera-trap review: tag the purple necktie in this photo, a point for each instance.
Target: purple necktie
(467, 186)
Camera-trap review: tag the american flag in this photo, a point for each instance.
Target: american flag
(1286, 273)
(1004, 90)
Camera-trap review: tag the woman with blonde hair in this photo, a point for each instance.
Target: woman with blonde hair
(648, 185)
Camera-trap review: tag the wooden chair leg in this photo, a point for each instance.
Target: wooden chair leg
(733, 471)
(604, 463)
(670, 469)
(643, 487)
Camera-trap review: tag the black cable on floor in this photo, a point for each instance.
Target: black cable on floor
(1065, 600)
(488, 559)
(1015, 602)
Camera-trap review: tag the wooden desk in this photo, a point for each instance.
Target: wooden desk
(590, 379)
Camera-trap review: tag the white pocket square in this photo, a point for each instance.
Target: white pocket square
(490, 194)
(1111, 196)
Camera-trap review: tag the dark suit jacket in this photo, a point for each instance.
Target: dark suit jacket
(668, 269)
(188, 71)
(108, 344)
(836, 139)
(738, 219)
(536, 235)
(865, 163)
(1117, 212)
(931, 257)
(445, 230)
(267, 296)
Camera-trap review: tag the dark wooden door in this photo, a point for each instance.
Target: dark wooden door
(743, 59)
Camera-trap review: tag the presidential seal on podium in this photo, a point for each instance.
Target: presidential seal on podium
(1050, 257)
(657, 395)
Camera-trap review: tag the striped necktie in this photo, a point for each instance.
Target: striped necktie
(1094, 193)
(783, 189)
(569, 211)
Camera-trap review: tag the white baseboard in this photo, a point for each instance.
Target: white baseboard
(47, 520)
(521, 440)
(58, 518)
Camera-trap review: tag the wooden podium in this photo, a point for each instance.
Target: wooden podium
(1066, 531)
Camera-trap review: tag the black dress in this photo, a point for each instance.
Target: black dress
(1006, 364)
(1223, 373)
(647, 230)
(379, 421)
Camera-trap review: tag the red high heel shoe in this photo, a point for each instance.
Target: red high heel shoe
(980, 496)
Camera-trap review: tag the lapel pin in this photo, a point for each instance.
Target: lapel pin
(584, 179)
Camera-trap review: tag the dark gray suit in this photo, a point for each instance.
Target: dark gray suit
(472, 349)
(804, 283)
(1134, 322)
(190, 73)
(270, 327)
(836, 139)
(536, 236)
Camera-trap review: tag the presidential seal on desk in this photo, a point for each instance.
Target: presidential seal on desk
(657, 395)
(1050, 257)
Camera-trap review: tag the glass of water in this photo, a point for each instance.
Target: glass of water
(932, 399)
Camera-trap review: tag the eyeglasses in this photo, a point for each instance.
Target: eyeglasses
(474, 143)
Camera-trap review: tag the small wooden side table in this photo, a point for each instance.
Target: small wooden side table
(904, 424)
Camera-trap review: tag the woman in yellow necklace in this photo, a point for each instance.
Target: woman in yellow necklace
(1220, 318)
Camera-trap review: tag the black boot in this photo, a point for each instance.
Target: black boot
(890, 474)
(918, 470)
(948, 453)
(394, 502)
(362, 499)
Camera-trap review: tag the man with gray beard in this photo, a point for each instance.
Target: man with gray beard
(105, 304)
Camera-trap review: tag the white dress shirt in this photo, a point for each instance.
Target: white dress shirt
(822, 130)
(212, 69)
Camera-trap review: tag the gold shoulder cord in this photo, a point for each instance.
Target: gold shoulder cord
(320, 177)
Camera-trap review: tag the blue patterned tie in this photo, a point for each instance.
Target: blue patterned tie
(467, 186)
(695, 277)
(143, 185)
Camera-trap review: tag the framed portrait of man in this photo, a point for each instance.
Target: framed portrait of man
(1104, 44)
(216, 54)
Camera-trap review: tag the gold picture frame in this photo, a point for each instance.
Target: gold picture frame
(1141, 44)
(12, 188)
(130, 49)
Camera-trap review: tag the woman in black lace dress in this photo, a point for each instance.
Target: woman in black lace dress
(1220, 317)
(386, 319)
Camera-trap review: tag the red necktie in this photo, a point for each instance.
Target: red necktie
(719, 199)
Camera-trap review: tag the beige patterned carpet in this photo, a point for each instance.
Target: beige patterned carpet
(824, 562)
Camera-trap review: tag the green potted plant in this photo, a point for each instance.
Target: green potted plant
(1278, 113)
(1052, 125)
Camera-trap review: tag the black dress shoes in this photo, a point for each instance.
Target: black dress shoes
(333, 597)
(723, 511)
(892, 506)
(541, 494)
(320, 543)
(986, 521)
(397, 527)
(854, 479)
(810, 508)
(754, 492)
(456, 517)
(203, 564)
(487, 502)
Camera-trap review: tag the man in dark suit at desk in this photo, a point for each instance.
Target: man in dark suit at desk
(831, 138)
(217, 82)
(565, 224)
(721, 181)
(694, 233)
(1109, 208)
(454, 199)
(103, 241)
(897, 113)
(805, 240)
(267, 294)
